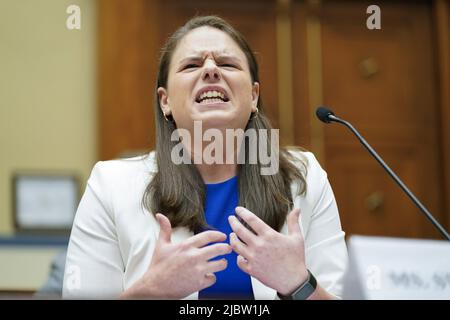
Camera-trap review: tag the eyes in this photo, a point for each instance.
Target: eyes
(192, 66)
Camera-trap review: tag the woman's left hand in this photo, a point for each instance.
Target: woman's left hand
(275, 259)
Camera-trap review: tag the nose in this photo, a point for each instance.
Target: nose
(211, 72)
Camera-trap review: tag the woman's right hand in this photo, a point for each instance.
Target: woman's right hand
(178, 270)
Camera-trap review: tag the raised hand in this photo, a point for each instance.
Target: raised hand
(275, 259)
(177, 270)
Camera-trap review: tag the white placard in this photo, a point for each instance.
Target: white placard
(396, 268)
(45, 202)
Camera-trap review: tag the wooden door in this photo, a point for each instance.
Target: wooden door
(384, 82)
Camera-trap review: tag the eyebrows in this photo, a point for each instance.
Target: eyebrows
(200, 57)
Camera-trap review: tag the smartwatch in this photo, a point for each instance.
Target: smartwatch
(304, 291)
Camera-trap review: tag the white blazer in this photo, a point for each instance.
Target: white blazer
(113, 237)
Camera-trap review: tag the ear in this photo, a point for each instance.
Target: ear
(164, 100)
(255, 96)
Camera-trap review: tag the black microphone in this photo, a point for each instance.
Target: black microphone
(327, 116)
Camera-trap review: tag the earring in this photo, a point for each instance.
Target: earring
(255, 114)
(165, 117)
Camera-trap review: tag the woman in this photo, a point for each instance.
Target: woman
(151, 227)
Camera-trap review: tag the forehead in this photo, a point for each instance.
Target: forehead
(206, 40)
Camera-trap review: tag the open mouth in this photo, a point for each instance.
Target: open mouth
(211, 96)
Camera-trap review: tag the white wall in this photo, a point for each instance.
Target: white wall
(47, 92)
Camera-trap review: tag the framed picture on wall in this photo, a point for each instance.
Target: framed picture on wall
(44, 203)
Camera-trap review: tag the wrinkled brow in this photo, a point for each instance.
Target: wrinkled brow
(200, 57)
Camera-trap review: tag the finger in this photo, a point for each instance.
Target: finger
(165, 231)
(210, 279)
(242, 231)
(293, 222)
(203, 238)
(253, 221)
(216, 266)
(243, 264)
(239, 247)
(214, 250)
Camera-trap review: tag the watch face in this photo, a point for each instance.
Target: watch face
(304, 292)
(305, 289)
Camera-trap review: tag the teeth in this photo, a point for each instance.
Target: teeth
(212, 94)
(211, 100)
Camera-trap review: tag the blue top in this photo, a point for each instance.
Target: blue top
(232, 283)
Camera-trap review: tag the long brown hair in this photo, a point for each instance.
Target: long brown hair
(178, 191)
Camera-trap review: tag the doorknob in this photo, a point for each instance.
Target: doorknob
(374, 201)
(368, 67)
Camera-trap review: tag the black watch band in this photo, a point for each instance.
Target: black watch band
(304, 291)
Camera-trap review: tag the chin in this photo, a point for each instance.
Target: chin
(217, 122)
(217, 119)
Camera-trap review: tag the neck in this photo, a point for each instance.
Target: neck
(215, 173)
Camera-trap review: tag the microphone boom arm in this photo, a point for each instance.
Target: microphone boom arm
(416, 201)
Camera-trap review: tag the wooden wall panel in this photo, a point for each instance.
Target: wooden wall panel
(303, 110)
(384, 83)
(127, 67)
(441, 16)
